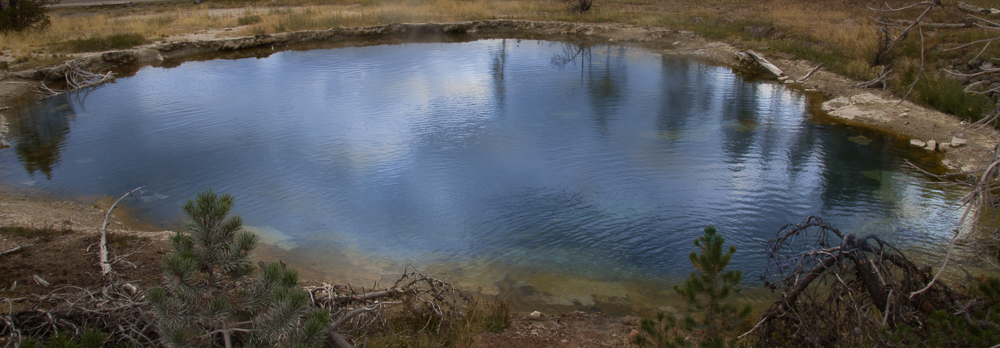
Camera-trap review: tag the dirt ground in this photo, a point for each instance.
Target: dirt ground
(67, 255)
(69, 258)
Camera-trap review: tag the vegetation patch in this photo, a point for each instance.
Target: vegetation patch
(103, 43)
(248, 19)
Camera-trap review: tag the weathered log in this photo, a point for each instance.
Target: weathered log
(766, 64)
(18, 249)
(758, 59)
(965, 24)
(972, 9)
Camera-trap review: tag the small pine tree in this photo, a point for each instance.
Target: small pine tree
(705, 293)
(211, 296)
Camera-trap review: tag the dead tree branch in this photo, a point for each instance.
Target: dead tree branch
(838, 289)
(77, 77)
(360, 312)
(105, 265)
(14, 250)
(117, 308)
(811, 72)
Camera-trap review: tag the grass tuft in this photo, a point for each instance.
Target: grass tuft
(104, 43)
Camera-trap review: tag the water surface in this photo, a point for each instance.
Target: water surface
(576, 169)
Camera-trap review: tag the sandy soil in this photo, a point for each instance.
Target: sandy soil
(67, 260)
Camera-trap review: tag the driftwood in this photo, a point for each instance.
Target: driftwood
(972, 8)
(811, 72)
(966, 24)
(103, 253)
(751, 58)
(18, 249)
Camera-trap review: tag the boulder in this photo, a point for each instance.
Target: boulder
(120, 57)
(958, 140)
(917, 143)
(931, 145)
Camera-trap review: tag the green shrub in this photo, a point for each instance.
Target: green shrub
(948, 95)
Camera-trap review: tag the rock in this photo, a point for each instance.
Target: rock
(456, 29)
(957, 141)
(120, 57)
(904, 115)
(789, 82)
(943, 147)
(917, 143)
(147, 56)
(931, 145)
(535, 314)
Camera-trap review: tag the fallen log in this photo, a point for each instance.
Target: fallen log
(751, 57)
(18, 249)
(972, 9)
(966, 24)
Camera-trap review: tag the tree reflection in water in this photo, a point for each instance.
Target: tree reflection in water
(40, 133)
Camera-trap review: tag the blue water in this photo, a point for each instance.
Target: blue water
(596, 161)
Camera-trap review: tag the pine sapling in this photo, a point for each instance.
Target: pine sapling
(212, 296)
(705, 292)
